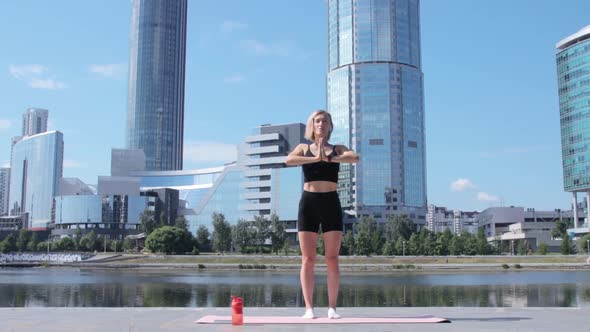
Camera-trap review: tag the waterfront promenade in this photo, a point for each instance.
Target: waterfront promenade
(182, 319)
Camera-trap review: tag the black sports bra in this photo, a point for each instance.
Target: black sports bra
(321, 170)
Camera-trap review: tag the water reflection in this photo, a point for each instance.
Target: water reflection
(140, 288)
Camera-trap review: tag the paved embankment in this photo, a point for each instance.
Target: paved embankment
(182, 319)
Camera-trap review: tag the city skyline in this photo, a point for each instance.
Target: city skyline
(260, 69)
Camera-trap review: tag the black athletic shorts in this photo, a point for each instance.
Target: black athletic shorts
(317, 209)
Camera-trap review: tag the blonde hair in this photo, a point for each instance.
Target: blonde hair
(309, 132)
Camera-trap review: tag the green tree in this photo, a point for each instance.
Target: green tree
(148, 222)
(242, 235)
(8, 244)
(398, 226)
(366, 230)
(567, 246)
(377, 239)
(221, 233)
(583, 243)
(388, 248)
(543, 248)
(457, 246)
(66, 244)
(100, 243)
(181, 223)
(522, 247)
(278, 234)
(77, 238)
(560, 229)
(414, 246)
(362, 244)
(203, 239)
(22, 240)
(443, 241)
(128, 244)
(348, 246)
(482, 246)
(169, 240)
(116, 245)
(261, 227)
(32, 245)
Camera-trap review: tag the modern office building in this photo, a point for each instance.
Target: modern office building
(375, 96)
(35, 121)
(155, 115)
(573, 74)
(37, 168)
(4, 187)
(258, 183)
(114, 208)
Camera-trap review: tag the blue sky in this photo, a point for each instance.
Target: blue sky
(492, 116)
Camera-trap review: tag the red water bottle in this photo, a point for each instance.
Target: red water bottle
(237, 307)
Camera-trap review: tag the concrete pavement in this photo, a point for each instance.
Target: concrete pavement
(182, 319)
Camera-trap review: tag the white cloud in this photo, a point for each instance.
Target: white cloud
(35, 76)
(6, 164)
(202, 152)
(234, 79)
(25, 71)
(5, 124)
(48, 83)
(231, 26)
(485, 197)
(282, 48)
(462, 184)
(113, 70)
(69, 163)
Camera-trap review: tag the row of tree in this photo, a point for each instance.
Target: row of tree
(262, 235)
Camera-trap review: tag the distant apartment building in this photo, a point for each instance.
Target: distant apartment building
(573, 75)
(4, 188)
(438, 219)
(35, 121)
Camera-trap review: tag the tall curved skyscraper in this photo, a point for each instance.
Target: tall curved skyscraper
(573, 74)
(375, 95)
(155, 113)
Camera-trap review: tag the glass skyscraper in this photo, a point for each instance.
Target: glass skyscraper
(155, 117)
(35, 121)
(375, 96)
(37, 167)
(573, 74)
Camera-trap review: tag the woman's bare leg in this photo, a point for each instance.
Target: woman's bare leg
(332, 241)
(308, 243)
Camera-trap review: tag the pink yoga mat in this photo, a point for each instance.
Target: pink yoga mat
(210, 319)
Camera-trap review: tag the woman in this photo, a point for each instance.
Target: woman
(320, 205)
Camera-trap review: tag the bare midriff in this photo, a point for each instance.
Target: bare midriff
(319, 186)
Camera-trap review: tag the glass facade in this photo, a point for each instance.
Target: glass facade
(37, 168)
(573, 73)
(375, 96)
(155, 116)
(78, 209)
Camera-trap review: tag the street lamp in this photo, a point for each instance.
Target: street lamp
(404, 247)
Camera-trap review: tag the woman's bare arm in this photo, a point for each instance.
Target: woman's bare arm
(344, 155)
(297, 157)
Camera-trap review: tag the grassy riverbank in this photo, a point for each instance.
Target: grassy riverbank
(348, 263)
